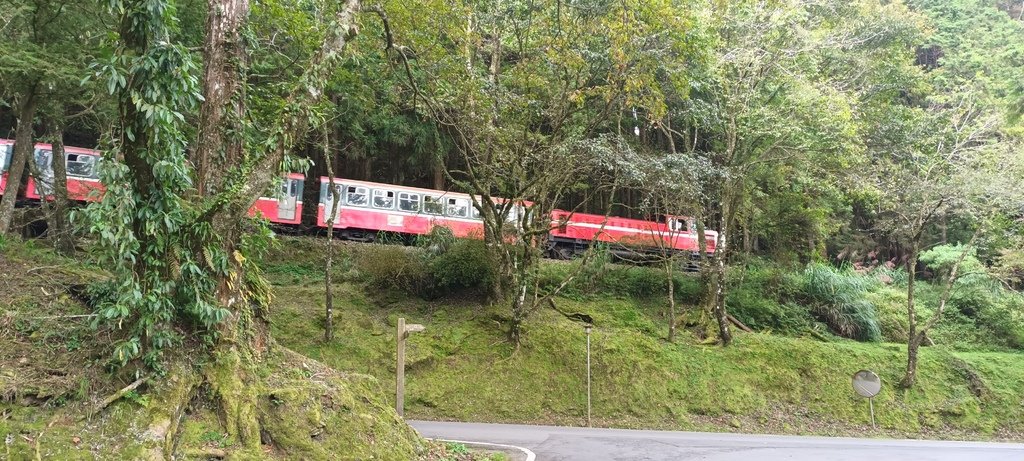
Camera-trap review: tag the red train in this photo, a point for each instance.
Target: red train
(82, 166)
(366, 209)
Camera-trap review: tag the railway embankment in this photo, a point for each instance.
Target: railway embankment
(781, 380)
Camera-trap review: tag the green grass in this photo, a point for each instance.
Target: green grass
(462, 368)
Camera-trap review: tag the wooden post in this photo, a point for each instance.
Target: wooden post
(588, 374)
(400, 371)
(401, 334)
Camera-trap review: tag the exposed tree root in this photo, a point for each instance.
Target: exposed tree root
(288, 405)
(117, 395)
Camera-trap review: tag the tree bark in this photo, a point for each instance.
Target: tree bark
(336, 198)
(63, 240)
(439, 173)
(912, 340)
(917, 335)
(725, 335)
(224, 60)
(23, 148)
(671, 301)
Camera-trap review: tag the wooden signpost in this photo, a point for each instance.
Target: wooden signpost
(402, 334)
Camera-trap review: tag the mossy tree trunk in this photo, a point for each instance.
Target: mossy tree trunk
(916, 334)
(23, 146)
(245, 336)
(229, 179)
(63, 240)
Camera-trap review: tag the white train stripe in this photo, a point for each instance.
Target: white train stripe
(631, 230)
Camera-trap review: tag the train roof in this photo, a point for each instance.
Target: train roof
(67, 149)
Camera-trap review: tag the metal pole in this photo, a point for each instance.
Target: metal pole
(400, 371)
(588, 375)
(871, 404)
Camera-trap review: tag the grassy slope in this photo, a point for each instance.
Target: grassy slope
(52, 374)
(461, 368)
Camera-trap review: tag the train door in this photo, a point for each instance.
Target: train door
(44, 161)
(287, 199)
(327, 198)
(5, 163)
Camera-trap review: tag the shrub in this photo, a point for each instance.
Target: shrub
(993, 309)
(393, 266)
(891, 306)
(942, 258)
(763, 313)
(837, 297)
(466, 264)
(437, 268)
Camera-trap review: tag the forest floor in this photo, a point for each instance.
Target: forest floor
(462, 368)
(53, 372)
(59, 399)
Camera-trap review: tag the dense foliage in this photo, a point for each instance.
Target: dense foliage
(882, 135)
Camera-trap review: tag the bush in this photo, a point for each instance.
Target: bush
(392, 266)
(466, 264)
(891, 306)
(837, 297)
(604, 279)
(766, 314)
(438, 268)
(993, 309)
(942, 258)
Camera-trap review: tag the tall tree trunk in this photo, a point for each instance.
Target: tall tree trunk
(912, 340)
(439, 173)
(23, 148)
(224, 61)
(719, 280)
(917, 334)
(671, 300)
(331, 218)
(63, 240)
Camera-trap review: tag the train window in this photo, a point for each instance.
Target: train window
(383, 199)
(80, 165)
(513, 214)
(294, 188)
(458, 207)
(357, 196)
(44, 159)
(677, 225)
(474, 213)
(329, 195)
(409, 202)
(5, 156)
(432, 205)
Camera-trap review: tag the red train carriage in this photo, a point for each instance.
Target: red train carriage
(6, 152)
(82, 167)
(286, 208)
(573, 233)
(366, 208)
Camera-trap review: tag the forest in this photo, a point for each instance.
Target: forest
(858, 167)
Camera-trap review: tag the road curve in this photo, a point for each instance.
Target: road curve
(552, 443)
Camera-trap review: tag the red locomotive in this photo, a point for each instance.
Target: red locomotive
(367, 209)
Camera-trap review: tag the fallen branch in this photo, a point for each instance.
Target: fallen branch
(207, 452)
(739, 324)
(117, 395)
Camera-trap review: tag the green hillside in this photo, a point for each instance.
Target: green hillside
(462, 367)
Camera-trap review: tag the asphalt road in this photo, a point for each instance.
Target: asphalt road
(584, 444)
